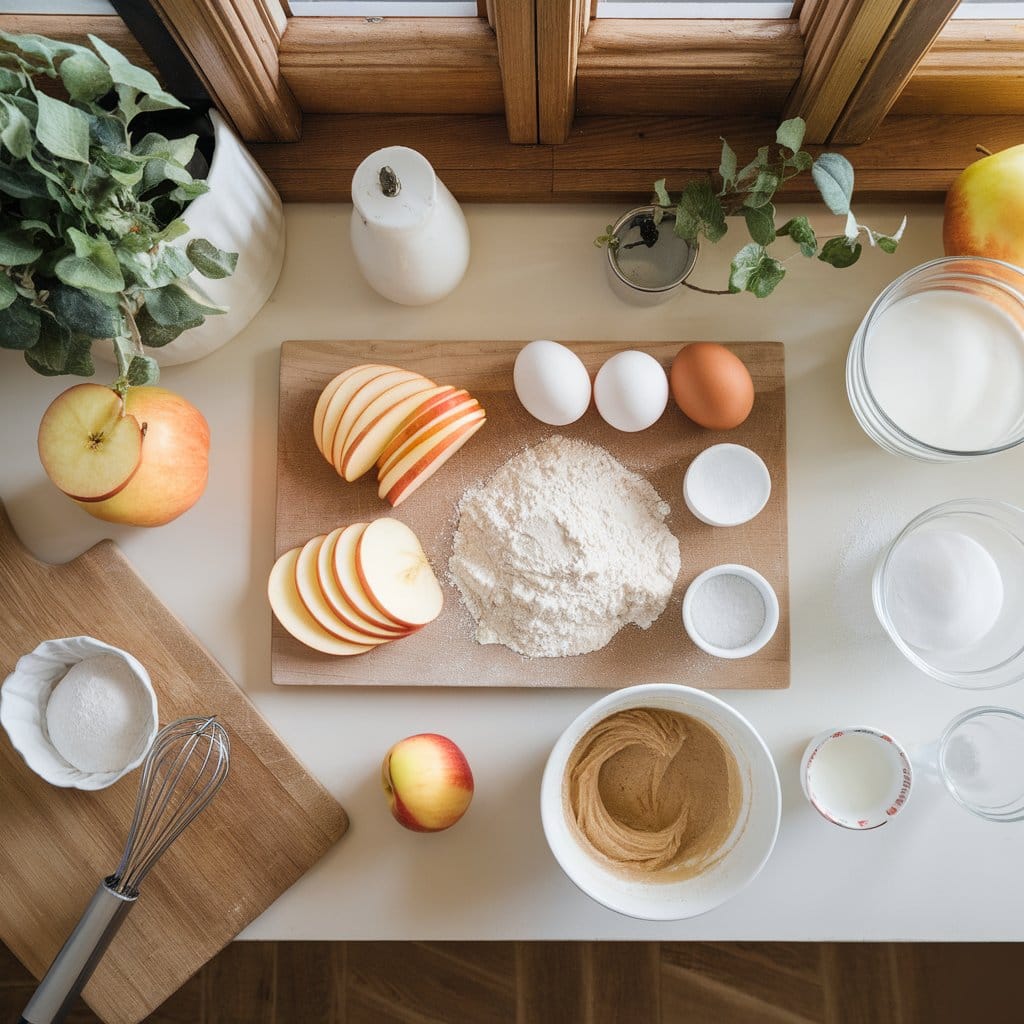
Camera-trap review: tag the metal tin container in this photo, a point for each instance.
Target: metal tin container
(648, 274)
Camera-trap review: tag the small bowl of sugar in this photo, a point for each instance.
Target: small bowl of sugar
(81, 713)
(730, 611)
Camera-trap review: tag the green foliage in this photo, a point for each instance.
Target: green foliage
(89, 213)
(704, 205)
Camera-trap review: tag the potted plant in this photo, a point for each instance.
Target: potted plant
(92, 248)
(652, 249)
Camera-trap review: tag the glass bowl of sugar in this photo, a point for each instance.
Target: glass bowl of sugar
(936, 368)
(949, 591)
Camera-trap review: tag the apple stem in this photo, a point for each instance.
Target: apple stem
(982, 149)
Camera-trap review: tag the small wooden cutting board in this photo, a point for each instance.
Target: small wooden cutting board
(312, 499)
(269, 824)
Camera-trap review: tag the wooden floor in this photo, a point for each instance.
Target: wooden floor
(588, 983)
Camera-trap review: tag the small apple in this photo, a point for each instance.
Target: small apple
(172, 471)
(985, 207)
(428, 782)
(88, 444)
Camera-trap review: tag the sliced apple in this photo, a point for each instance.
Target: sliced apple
(423, 460)
(325, 398)
(292, 613)
(339, 400)
(416, 427)
(396, 575)
(366, 394)
(340, 604)
(89, 445)
(307, 582)
(377, 423)
(347, 575)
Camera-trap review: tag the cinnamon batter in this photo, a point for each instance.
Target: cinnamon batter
(653, 793)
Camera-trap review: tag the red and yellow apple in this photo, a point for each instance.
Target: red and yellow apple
(985, 208)
(428, 782)
(142, 460)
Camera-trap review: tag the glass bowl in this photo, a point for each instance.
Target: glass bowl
(936, 368)
(990, 649)
(981, 761)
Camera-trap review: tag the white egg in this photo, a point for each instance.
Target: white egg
(631, 391)
(551, 382)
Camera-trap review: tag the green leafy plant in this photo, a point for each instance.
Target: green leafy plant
(703, 207)
(89, 213)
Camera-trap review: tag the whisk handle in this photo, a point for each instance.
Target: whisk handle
(78, 957)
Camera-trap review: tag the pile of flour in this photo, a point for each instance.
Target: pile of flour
(561, 548)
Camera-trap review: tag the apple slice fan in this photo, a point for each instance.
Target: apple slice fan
(186, 766)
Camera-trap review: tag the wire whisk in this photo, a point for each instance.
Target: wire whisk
(185, 768)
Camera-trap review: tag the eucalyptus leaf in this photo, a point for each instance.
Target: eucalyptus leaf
(63, 129)
(85, 76)
(840, 252)
(123, 72)
(154, 270)
(762, 190)
(800, 161)
(142, 370)
(16, 134)
(59, 351)
(698, 212)
(886, 243)
(172, 306)
(22, 183)
(833, 175)
(660, 194)
(156, 335)
(214, 263)
(94, 264)
(94, 314)
(17, 248)
(727, 167)
(8, 293)
(800, 230)
(790, 134)
(754, 270)
(19, 324)
(761, 223)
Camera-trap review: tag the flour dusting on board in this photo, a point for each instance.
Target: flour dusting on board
(560, 549)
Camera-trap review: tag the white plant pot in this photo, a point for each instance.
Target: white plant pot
(241, 213)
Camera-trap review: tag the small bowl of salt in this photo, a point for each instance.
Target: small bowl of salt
(82, 713)
(730, 611)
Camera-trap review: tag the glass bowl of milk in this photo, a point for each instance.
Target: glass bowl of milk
(949, 591)
(936, 369)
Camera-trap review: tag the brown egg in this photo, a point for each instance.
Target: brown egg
(711, 385)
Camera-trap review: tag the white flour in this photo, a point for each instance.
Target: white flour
(561, 548)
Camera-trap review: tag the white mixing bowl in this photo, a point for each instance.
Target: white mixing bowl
(749, 846)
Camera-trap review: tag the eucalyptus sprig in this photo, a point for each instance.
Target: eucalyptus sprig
(704, 205)
(90, 213)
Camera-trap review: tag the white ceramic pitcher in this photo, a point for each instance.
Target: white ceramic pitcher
(409, 235)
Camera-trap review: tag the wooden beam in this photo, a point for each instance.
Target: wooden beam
(616, 158)
(515, 28)
(974, 66)
(233, 45)
(73, 28)
(845, 36)
(907, 40)
(391, 66)
(688, 66)
(559, 31)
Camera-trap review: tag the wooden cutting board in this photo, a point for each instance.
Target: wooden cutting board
(268, 825)
(313, 499)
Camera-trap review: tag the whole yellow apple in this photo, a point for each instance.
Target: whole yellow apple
(985, 209)
(172, 471)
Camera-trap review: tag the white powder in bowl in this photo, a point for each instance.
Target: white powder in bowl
(727, 611)
(561, 548)
(98, 715)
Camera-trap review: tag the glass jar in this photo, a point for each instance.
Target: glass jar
(936, 368)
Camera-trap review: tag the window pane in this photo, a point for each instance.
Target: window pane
(385, 8)
(693, 9)
(989, 9)
(56, 7)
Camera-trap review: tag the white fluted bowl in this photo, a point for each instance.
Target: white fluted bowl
(23, 700)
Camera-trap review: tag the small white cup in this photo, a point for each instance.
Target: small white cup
(751, 485)
(889, 766)
(26, 692)
(771, 611)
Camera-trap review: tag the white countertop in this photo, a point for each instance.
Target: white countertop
(936, 872)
